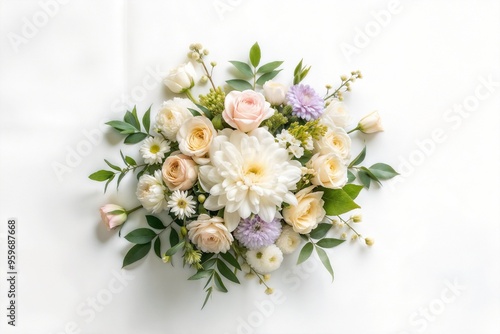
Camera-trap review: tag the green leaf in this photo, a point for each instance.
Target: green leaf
(350, 176)
(157, 247)
(116, 212)
(305, 252)
(194, 112)
(266, 77)
(122, 127)
(155, 222)
(136, 253)
(352, 190)
(325, 260)
(130, 161)
(207, 112)
(218, 282)
(107, 183)
(255, 54)
(101, 175)
(209, 293)
(337, 202)
(209, 263)
(226, 272)
(173, 237)
(201, 274)
(329, 242)
(146, 120)
(239, 84)
(175, 249)
(205, 257)
(359, 159)
(244, 68)
(141, 236)
(132, 120)
(120, 178)
(320, 231)
(298, 68)
(230, 259)
(269, 67)
(364, 178)
(370, 174)
(115, 167)
(135, 138)
(383, 171)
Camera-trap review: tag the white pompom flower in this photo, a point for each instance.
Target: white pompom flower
(288, 241)
(153, 150)
(151, 192)
(266, 259)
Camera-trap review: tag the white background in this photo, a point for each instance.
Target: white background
(436, 226)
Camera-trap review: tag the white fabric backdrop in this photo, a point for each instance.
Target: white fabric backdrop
(430, 68)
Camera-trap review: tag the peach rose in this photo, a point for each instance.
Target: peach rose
(210, 235)
(246, 110)
(179, 172)
(194, 138)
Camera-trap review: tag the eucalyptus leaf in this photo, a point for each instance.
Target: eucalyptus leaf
(141, 236)
(305, 252)
(136, 253)
(364, 179)
(350, 176)
(370, 174)
(383, 171)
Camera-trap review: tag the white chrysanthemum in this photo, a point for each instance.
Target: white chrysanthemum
(151, 192)
(153, 150)
(249, 173)
(172, 115)
(181, 204)
(266, 259)
(288, 241)
(337, 141)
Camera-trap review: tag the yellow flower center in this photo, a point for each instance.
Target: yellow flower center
(154, 149)
(182, 204)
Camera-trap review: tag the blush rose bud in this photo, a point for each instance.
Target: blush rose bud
(371, 123)
(113, 215)
(181, 78)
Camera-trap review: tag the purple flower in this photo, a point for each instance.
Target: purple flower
(305, 103)
(253, 232)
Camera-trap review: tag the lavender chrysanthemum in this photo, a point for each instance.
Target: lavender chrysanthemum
(253, 232)
(305, 102)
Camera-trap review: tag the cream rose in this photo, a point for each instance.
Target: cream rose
(172, 114)
(336, 114)
(181, 78)
(329, 170)
(371, 123)
(194, 138)
(246, 110)
(210, 235)
(336, 140)
(179, 172)
(308, 213)
(274, 92)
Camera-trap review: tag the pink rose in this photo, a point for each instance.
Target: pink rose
(246, 110)
(113, 215)
(179, 172)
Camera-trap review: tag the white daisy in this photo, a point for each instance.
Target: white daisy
(181, 204)
(153, 150)
(151, 192)
(265, 259)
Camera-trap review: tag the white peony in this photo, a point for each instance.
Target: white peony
(266, 259)
(288, 241)
(172, 114)
(151, 192)
(336, 140)
(249, 173)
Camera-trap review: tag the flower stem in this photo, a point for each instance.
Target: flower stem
(209, 75)
(355, 129)
(190, 96)
(349, 225)
(132, 210)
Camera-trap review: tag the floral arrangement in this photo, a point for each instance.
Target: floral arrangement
(239, 177)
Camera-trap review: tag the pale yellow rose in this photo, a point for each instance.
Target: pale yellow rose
(308, 213)
(179, 172)
(194, 138)
(329, 170)
(336, 140)
(274, 92)
(181, 78)
(210, 235)
(371, 123)
(335, 114)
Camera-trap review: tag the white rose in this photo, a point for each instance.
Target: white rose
(308, 213)
(151, 192)
(172, 115)
(210, 235)
(181, 78)
(329, 170)
(336, 114)
(194, 138)
(274, 92)
(336, 140)
(371, 123)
